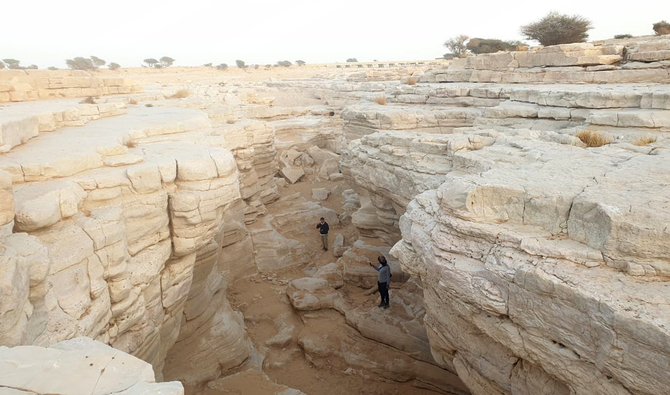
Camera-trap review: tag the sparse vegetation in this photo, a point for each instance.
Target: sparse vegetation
(222, 66)
(241, 64)
(256, 66)
(97, 61)
(457, 45)
(114, 66)
(81, 63)
(32, 67)
(284, 63)
(158, 66)
(207, 65)
(351, 60)
(556, 28)
(166, 61)
(12, 64)
(412, 80)
(593, 138)
(491, 45)
(180, 94)
(52, 68)
(150, 62)
(620, 36)
(88, 100)
(380, 100)
(645, 140)
(2, 65)
(661, 28)
(148, 105)
(300, 62)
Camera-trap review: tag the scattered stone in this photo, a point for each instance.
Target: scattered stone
(320, 194)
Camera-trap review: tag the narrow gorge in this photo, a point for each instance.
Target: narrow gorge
(161, 238)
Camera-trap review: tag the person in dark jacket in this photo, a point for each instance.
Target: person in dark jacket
(384, 280)
(323, 228)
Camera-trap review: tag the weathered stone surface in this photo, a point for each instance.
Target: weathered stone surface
(78, 366)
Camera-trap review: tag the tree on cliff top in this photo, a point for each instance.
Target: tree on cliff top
(150, 61)
(167, 61)
(241, 64)
(12, 63)
(557, 28)
(490, 45)
(661, 28)
(114, 66)
(300, 62)
(351, 60)
(81, 63)
(457, 45)
(97, 61)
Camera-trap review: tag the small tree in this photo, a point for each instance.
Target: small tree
(166, 61)
(12, 64)
(300, 62)
(557, 28)
(284, 63)
(80, 63)
(150, 62)
(240, 64)
(52, 68)
(207, 65)
(256, 66)
(32, 67)
(97, 61)
(222, 66)
(661, 28)
(457, 45)
(351, 60)
(489, 45)
(114, 66)
(620, 36)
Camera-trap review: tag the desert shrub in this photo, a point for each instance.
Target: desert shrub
(555, 28)
(49, 68)
(97, 61)
(457, 45)
(256, 66)
(150, 62)
(645, 140)
(180, 94)
(412, 80)
(12, 64)
(620, 36)
(448, 56)
(114, 66)
(380, 100)
(166, 61)
(32, 67)
(489, 45)
(88, 100)
(81, 63)
(284, 63)
(300, 62)
(222, 66)
(148, 105)
(132, 101)
(350, 60)
(207, 65)
(267, 66)
(661, 28)
(230, 121)
(240, 64)
(592, 138)
(158, 66)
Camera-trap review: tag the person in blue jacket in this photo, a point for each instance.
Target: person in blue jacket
(384, 280)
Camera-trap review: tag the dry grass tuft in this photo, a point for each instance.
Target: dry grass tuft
(132, 101)
(180, 94)
(88, 100)
(645, 140)
(148, 105)
(380, 100)
(592, 138)
(412, 80)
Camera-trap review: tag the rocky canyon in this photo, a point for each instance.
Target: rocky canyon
(160, 236)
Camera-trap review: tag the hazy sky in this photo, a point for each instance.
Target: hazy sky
(194, 32)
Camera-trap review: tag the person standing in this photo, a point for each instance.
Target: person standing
(384, 280)
(323, 228)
